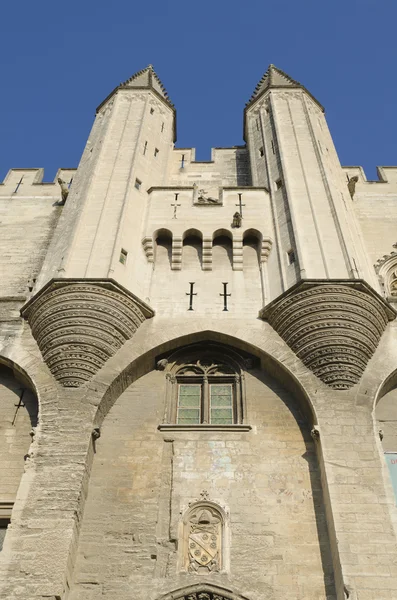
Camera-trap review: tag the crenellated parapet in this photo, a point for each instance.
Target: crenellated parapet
(79, 324)
(385, 184)
(334, 327)
(29, 183)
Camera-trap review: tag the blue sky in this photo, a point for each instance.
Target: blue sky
(60, 60)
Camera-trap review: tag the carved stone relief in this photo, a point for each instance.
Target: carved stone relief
(203, 538)
(334, 328)
(78, 325)
(386, 269)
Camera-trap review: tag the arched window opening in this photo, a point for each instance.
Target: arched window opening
(222, 250)
(251, 252)
(18, 414)
(203, 538)
(205, 386)
(192, 250)
(163, 248)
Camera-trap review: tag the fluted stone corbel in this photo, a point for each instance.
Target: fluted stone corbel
(79, 324)
(333, 326)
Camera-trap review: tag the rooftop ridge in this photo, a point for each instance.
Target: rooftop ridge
(149, 70)
(276, 78)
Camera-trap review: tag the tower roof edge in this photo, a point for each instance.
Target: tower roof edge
(276, 78)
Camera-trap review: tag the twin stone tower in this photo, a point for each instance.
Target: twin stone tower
(313, 281)
(268, 263)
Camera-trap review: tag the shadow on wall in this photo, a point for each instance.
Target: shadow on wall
(222, 250)
(192, 251)
(163, 248)
(283, 486)
(15, 395)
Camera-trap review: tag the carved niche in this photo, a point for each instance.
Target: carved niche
(79, 324)
(333, 327)
(386, 269)
(203, 538)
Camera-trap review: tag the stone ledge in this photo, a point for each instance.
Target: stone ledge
(333, 326)
(79, 323)
(203, 427)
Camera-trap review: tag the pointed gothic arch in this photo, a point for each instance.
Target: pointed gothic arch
(203, 591)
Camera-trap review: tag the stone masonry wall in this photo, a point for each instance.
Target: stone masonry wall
(143, 480)
(16, 422)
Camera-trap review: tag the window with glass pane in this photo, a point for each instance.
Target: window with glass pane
(189, 404)
(221, 404)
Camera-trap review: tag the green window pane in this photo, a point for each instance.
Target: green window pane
(189, 390)
(221, 395)
(221, 404)
(187, 415)
(189, 395)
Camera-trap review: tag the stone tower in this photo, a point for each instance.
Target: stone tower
(198, 363)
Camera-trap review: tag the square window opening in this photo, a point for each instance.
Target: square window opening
(279, 184)
(261, 151)
(123, 256)
(138, 184)
(156, 151)
(291, 256)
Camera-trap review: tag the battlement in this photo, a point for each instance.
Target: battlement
(386, 176)
(29, 182)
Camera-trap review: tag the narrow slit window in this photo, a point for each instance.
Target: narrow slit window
(261, 151)
(151, 111)
(156, 151)
(257, 124)
(144, 149)
(279, 184)
(138, 184)
(123, 256)
(182, 161)
(291, 256)
(162, 127)
(272, 143)
(189, 404)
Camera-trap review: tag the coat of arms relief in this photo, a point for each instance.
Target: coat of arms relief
(203, 538)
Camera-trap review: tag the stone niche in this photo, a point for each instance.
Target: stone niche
(79, 324)
(334, 326)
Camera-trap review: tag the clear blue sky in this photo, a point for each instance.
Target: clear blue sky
(59, 60)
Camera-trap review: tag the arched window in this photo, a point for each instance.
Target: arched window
(205, 386)
(222, 250)
(251, 249)
(163, 248)
(192, 249)
(207, 393)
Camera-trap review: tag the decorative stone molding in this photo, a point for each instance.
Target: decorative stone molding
(176, 257)
(147, 244)
(237, 253)
(207, 253)
(266, 246)
(79, 324)
(386, 269)
(333, 326)
(203, 591)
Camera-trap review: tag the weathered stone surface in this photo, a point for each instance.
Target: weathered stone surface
(78, 325)
(334, 327)
(108, 487)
